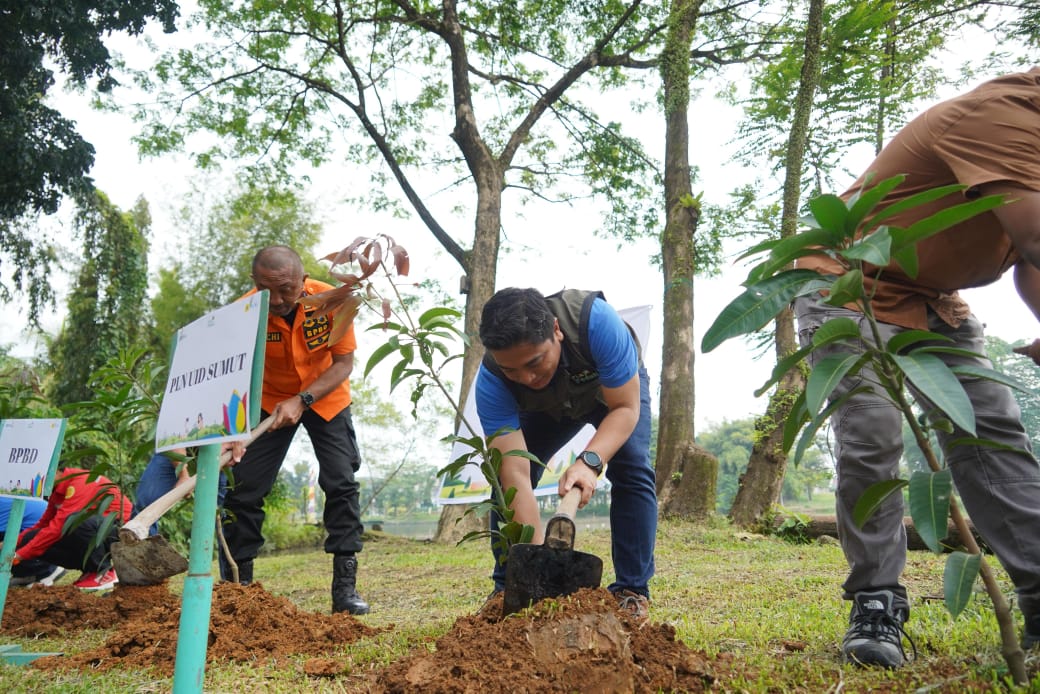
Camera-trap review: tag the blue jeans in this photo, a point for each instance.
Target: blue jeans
(633, 490)
(159, 477)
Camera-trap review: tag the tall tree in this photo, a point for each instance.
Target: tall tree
(287, 80)
(761, 483)
(876, 62)
(44, 157)
(686, 474)
(106, 308)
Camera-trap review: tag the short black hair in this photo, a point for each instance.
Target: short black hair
(516, 317)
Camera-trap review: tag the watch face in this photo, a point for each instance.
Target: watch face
(592, 460)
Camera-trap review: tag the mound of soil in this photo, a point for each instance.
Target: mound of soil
(246, 624)
(578, 643)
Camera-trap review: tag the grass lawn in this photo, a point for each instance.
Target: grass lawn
(773, 606)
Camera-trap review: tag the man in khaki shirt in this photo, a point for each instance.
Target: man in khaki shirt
(988, 140)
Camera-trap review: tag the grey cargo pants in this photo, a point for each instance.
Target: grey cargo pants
(1000, 489)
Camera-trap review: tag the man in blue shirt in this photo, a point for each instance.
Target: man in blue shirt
(553, 365)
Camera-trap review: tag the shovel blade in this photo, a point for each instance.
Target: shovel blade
(534, 572)
(146, 562)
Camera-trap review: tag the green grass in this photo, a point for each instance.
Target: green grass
(771, 606)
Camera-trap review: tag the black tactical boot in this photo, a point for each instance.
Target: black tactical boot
(245, 570)
(345, 597)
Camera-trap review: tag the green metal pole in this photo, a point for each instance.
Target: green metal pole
(14, 527)
(193, 636)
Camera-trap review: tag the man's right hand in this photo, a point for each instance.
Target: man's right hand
(1032, 351)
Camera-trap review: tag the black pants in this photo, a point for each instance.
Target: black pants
(335, 447)
(71, 550)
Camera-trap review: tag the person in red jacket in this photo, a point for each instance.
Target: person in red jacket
(78, 547)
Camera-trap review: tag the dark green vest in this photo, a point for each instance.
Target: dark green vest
(575, 390)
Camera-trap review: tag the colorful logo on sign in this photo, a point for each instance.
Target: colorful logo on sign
(235, 420)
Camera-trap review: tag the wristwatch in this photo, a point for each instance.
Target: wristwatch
(307, 398)
(592, 460)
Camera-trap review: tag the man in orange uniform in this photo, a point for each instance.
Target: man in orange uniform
(306, 381)
(47, 541)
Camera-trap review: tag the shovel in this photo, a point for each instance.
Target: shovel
(143, 560)
(534, 572)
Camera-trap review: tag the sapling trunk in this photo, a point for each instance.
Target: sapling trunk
(892, 380)
(1011, 649)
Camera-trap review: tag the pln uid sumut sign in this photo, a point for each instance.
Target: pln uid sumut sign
(210, 394)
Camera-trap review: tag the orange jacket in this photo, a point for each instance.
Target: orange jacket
(295, 356)
(71, 493)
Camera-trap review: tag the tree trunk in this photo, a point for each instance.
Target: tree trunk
(480, 278)
(760, 485)
(686, 474)
(455, 523)
(696, 468)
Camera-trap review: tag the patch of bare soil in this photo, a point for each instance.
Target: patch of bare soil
(578, 643)
(246, 624)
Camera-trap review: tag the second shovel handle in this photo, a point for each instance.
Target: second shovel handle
(140, 523)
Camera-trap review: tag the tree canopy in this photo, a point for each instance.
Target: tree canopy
(44, 157)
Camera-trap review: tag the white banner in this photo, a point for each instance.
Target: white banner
(470, 486)
(206, 399)
(29, 451)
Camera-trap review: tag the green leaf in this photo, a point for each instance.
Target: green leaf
(825, 377)
(944, 219)
(830, 212)
(783, 366)
(790, 249)
(959, 576)
(939, 384)
(846, 289)
(431, 316)
(387, 327)
(875, 248)
(975, 371)
(872, 498)
(930, 505)
(913, 201)
(834, 330)
(796, 419)
(759, 304)
(909, 337)
(381, 352)
(862, 204)
(987, 443)
(906, 258)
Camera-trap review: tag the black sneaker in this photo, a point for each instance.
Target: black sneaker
(1031, 633)
(875, 635)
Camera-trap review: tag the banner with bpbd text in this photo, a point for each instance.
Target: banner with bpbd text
(29, 452)
(212, 393)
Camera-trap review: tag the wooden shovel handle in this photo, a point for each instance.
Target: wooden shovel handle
(569, 503)
(139, 524)
(560, 530)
